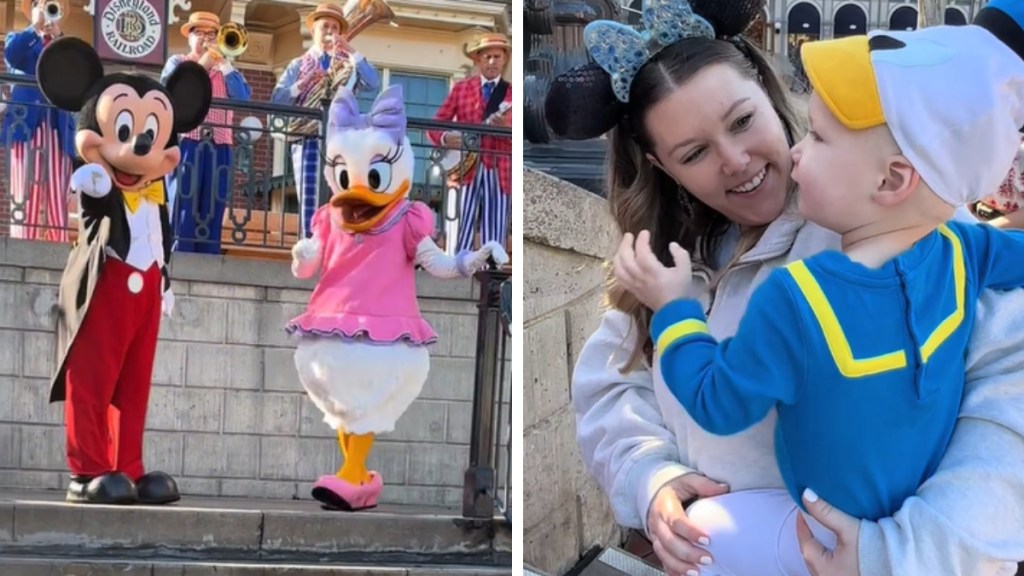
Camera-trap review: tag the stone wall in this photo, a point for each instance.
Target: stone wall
(227, 414)
(567, 233)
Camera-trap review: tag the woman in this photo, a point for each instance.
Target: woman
(700, 155)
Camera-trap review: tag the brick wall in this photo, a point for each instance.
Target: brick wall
(227, 414)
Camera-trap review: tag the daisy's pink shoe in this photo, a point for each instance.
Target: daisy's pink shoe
(337, 494)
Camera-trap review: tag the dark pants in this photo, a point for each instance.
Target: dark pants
(201, 196)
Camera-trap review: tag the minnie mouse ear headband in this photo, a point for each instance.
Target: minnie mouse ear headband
(589, 100)
(621, 50)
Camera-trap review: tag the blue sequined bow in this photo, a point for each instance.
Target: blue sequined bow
(621, 50)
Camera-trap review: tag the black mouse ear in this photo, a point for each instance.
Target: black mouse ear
(1005, 20)
(66, 70)
(191, 93)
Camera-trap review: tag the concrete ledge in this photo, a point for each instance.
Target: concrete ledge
(15, 566)
(560, 215)
(275, 531)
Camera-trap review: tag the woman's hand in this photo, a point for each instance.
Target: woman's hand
(640, 271)
(676, 540)
(843, 559)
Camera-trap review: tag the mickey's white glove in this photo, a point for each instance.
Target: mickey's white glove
(168, 303)
(91, 180)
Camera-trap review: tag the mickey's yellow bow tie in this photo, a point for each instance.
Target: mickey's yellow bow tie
(153, 193)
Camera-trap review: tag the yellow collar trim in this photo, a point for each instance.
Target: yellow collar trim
(839, 345)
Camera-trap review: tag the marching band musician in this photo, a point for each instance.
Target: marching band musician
(42, 142)
(209, 165)
(328, 52)
(486, 186)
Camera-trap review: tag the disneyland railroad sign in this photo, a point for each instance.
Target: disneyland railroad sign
(131, 31)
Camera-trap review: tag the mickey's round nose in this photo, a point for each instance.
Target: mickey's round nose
(143, 144)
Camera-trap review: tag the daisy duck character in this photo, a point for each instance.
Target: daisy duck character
(362, 344)
(116, 284)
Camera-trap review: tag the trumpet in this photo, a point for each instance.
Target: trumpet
(53, 11)
(232, 40)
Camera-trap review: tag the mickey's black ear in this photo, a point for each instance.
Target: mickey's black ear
(66, 70)
(191, 92)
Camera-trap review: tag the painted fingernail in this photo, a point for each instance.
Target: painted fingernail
(692, 573)
(704, 540)
(705, 560)
(810, 496)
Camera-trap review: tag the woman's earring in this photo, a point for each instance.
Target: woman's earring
(686, 202)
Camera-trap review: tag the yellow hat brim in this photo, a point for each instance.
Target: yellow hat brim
(841, 74)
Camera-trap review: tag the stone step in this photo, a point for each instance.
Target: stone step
(30, 566)
(224, 529)
(618, 562)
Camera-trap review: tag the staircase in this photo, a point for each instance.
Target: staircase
(604, 562)
(40, 535)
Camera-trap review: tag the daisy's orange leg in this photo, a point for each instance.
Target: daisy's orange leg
(343, 444)
(354, 470)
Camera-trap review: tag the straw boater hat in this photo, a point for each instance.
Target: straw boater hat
(204, 20)
(327, 10)
(26, 8)
(487, 40)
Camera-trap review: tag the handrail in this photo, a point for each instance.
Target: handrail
(271, 108)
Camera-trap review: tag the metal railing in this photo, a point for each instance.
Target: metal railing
(255, 202)
(488, 479)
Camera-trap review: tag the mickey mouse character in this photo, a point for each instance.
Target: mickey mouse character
(115, 284)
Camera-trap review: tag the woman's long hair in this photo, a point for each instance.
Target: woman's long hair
(643, 197)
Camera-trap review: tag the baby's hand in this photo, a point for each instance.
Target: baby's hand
(91, 180)
(306, 250)
(640, 271)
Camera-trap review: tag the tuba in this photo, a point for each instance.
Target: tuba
(360, 15)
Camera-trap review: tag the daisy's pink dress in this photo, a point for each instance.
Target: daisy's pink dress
(367, 285)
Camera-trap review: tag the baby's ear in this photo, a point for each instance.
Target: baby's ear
(192, 94)
(901, 179)
(66, 70)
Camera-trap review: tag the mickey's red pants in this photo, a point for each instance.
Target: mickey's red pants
(109, 372)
